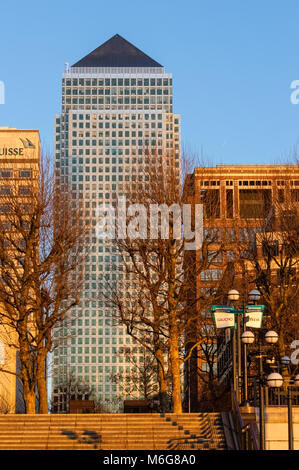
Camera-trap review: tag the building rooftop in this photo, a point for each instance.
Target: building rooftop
(117, 52)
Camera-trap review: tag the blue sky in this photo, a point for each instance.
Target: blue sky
(232, 63)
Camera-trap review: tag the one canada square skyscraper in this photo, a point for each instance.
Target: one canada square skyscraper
(116, 101)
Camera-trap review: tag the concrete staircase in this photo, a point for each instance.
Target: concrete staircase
(112, 432)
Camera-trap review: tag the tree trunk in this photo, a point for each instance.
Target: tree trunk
(42, 386)
(175, 367)
(174, 338)
(162, 383)
(27, 377)
(29, 398)
(43, 399)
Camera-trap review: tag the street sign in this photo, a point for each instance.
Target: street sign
(254, 316)
(223, 316)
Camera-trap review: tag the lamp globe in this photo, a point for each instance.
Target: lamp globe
(233, 295)
(254, 295)
(247, 337)
(271, 337)
(274, 380)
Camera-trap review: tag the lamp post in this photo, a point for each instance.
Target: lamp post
(233, 296)
(247, 338)
(271, 337)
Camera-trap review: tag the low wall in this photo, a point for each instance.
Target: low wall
(276, 427)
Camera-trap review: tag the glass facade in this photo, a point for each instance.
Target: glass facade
(107, 122)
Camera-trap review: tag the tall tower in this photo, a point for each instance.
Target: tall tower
(116, 102)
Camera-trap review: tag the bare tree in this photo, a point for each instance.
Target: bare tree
(138, 377)
(41, 235)
(5, 406)
(162, 308)
(71, 389)
(269, 258)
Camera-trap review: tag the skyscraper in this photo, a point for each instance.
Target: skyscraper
(116, 102)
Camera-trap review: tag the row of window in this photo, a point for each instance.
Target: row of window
(120, 133)
(116, 91)
(126, 100)
(8, 190)
(114, 107)
(119, 117)
(248, 183)
(241, 183)
(9, 173)
(117, 82)
(115, 143)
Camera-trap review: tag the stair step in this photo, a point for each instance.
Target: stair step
(112, 432)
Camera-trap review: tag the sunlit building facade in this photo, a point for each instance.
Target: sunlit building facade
(238, 201)
(116, 102)
(19, 169)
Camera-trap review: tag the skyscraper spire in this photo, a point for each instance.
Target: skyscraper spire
(117, 52)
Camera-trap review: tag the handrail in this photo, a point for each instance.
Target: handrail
(246, 432)
(249, 429)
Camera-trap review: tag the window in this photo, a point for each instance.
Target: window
(229, 204)
(211, 275)
(230, 234)
(5, 208)
(270, 248)
(210, 198)
(295, 195)
(212, 234)
(24, 190)
(254, 203)
(214, 257)
(5, 190)
(5, 173)
(25, 173)
(281, 195)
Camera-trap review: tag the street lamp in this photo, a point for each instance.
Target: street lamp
(285, 360)
(271, 337)
(247, 338)
(233, 296)
(254, 295)
(276, 380)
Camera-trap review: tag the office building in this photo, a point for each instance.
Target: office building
(19, 166)
(116, 103)
(240, 202)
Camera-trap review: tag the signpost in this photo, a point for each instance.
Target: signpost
(223, 316)
(230, 319)
(254, 316)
